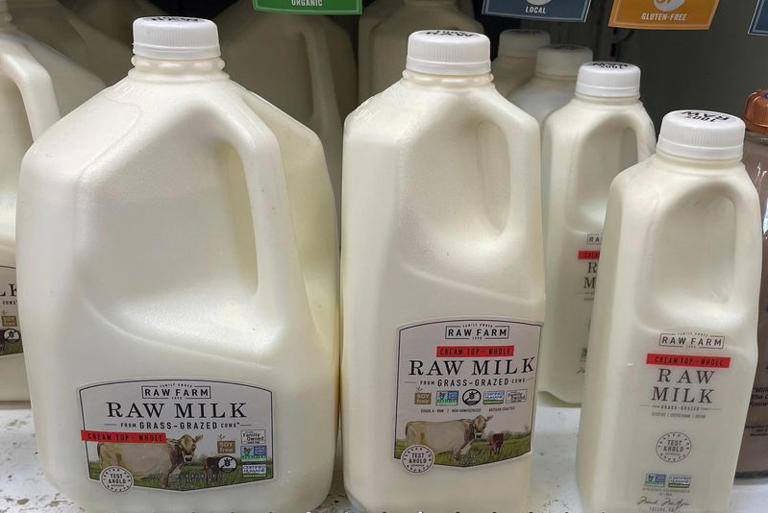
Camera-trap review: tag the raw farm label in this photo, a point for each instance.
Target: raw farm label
(310, 6)
(176, 434)
(546, 10)
(10, 336)
(466, 390)
(663, 14)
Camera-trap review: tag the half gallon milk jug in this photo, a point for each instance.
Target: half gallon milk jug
(178, 250)
(443, 306)
(36, 85)
(515, 63)
(57, 26)
(753, 458)
(304, 65)
(601, 132)
(554, 81)
(384, 60)
(373, 15)
(115, 17)
(672, 349)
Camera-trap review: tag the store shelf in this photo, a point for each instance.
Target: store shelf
(23, 489)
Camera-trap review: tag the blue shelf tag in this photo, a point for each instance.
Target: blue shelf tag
(545, 10)
(759, 25)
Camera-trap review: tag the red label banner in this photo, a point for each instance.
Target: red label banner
(123, 438)
(474, 351)
(589, 254)
(681, 360)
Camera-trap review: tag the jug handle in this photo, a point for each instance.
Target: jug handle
(524, 155)
(280, 281)
(35, 85)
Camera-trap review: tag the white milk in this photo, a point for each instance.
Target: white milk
(36, 85)
(373, 15)
(516, 60)
(115, 17)
(602, 131)
(304, 65)
(383, 43)
(62, 29)
(672, 348)
(177, 242)
(753, 457)
(554, 81)
(442, 253)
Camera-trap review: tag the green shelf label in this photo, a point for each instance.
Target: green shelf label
(310, 6)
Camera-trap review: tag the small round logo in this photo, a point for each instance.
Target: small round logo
(11, 335)
(417, 458)
(116, 479)
(471, 397)
(673, 447)
(227, 464)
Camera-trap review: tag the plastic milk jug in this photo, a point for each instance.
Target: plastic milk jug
(373, 15)
(672, 348)
(37, 84)
(384, 59)
(515, 63)
(443, 307)
(602, 131)
(304, 65)
(753, 458)
(55, 25)
(554, 81)
(178, 251)
(115, 17)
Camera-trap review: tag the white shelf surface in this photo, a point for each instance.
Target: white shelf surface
(24, 489)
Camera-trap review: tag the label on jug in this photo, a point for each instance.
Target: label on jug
(663, 14)
(10, 342)
(176, 434)
(466, 390)
(682, 378)
(310, 6)
(544, 10)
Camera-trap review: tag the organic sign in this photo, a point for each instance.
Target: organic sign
(310, 6)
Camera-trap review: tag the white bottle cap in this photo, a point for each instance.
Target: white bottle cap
(175, 38)
(609, 80)
(701, 134)
(448, 52)
(561, 60)
(522, 42)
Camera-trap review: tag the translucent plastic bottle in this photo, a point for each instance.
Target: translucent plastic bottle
(672, 348)
(178, 278)
(554, 81)
(516, 61)
(304, 65)
(602, 131)
(53, 24)
(382, 57)
(115, 17)
(373, 15)
(36, 85)
(753, 458)
(442, 282)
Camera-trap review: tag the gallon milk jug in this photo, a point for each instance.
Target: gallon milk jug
(554, 81)
(601, 132)
(753, 458)
(443, 306)
(304, 65)
(115, 17)
(57, 26)
(177, 242)
(36, 85)
(372, 16)
(672, 349)
(515, 63)
(385, 58)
